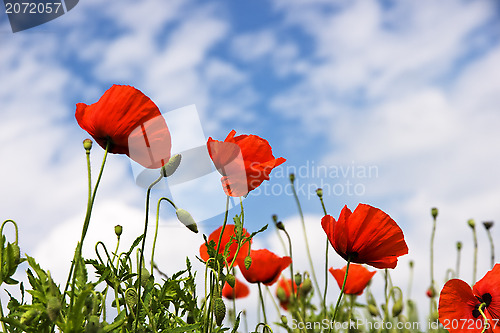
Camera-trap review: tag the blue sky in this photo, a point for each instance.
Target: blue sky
(410, 89)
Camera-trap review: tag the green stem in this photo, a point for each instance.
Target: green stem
(156, 228)
(457, 270)
(492, 247)
(313, 273)
(326, 258)
(432, 250)
(474, 268)
(262, 303)
(90, 204)
(141, 259)
(342, 290)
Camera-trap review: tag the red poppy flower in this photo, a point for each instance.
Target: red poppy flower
(366, 236)
(284, 292)
(458, 304)
(130, 122)
(266, 267)
(357, 278)
(240, 290)
(244, 161)
(229, 232)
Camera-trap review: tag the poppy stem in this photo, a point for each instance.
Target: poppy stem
(341, 290)
(86, 222)
(492, 247)
(262, 303)
(320, 196)
(472, 225)
(459, 251)
(141, 258)
(433, 234)
(156, 229)
(297, 201)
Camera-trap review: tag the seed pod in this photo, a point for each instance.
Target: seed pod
(219, 311)
(87, 144)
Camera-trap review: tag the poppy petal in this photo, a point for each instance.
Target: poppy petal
(456, 304)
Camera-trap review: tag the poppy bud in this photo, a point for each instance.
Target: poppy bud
(292, 177)
(397, 308)
(298, 279)
(431, 292)
(306, 286)
(172, 165)
(488, 224)
(248, 262)
(53, 308)
(144, 277)
(373, 310)
(281, 294)
(231, 280)
(118, 230)
(284, 320)
(319, 192)
(87, 144)
(459, 246)
(219, 311)
(280, 225)
(471, 223)
(186, 219)
(411, 263)
(275, 218)
(131, 297)
(434, 212)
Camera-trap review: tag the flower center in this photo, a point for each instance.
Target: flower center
(486, 299)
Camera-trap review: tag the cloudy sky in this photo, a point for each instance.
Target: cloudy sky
(390, 103)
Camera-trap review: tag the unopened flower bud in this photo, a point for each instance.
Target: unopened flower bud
(87, 144)
(186, 219)
(172, 165)
(284, 320)
(306, 286)
(144, 277)
(459, 246)
(471, 223)
(118, 230)
(298, 279)
(319, 192)
(411, 263)
(275, 218)
(219, 311)
(231, 280)
(431, 292)
(280, 225)
(397, 308)
(281, 294)
(488, 224)
(248, 262)
(373, 310)
(292, 177)
(434, 212)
